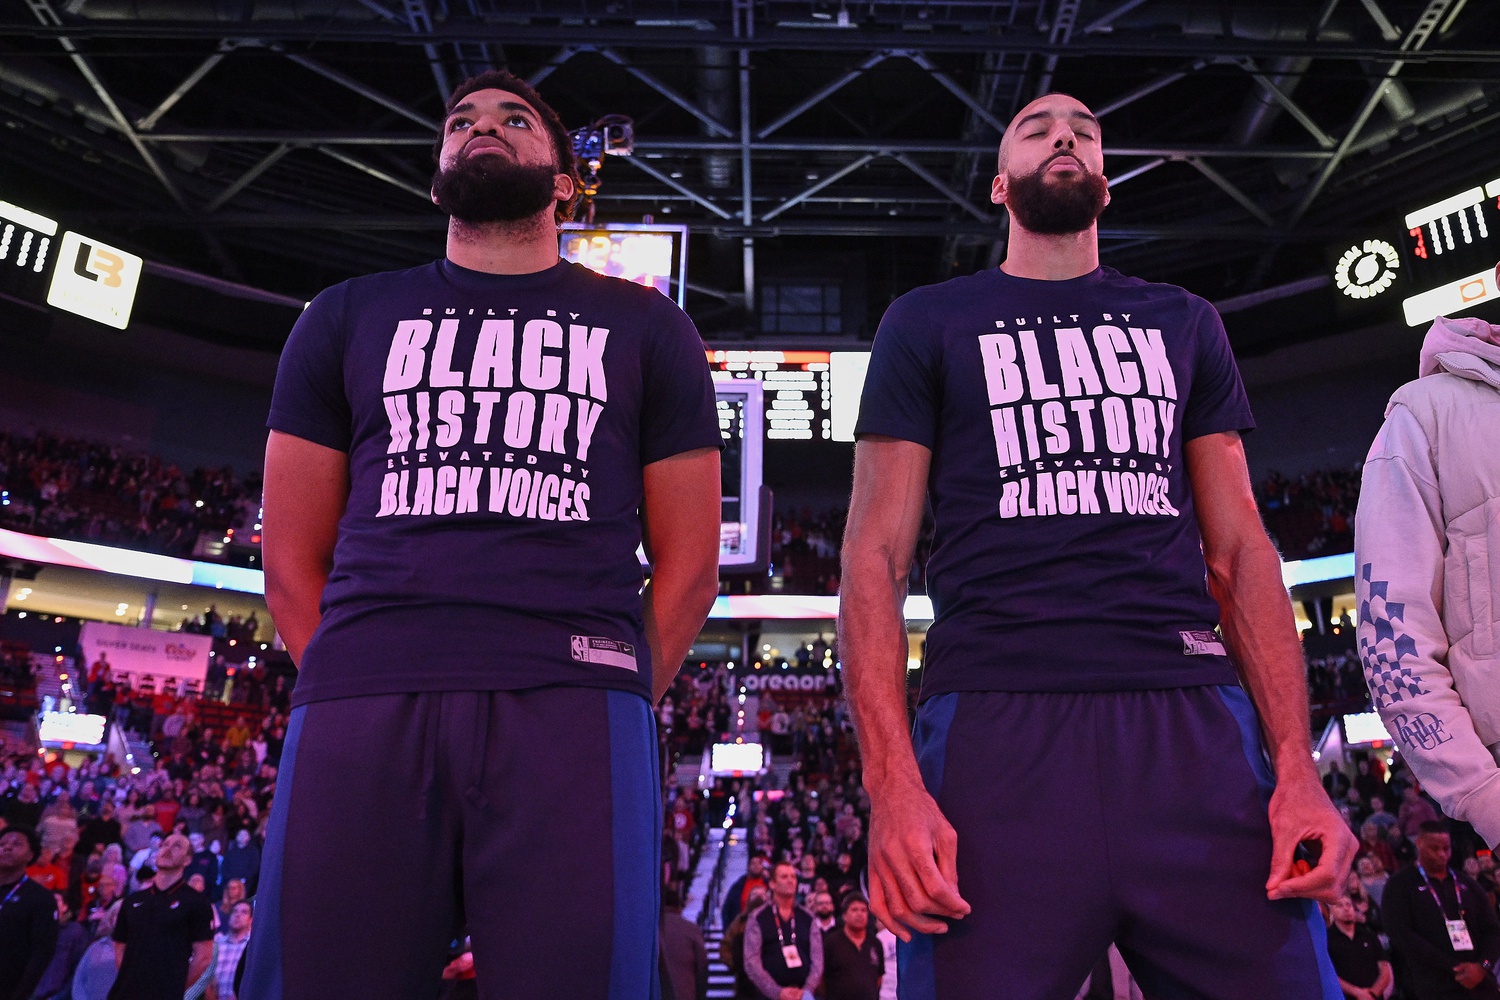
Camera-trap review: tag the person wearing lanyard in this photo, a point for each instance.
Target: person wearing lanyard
(28, 917)
(1440, 925)
(783, 953)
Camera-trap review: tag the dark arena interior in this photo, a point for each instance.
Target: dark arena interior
(181, 181)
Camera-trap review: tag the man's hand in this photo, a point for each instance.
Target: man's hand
(1468, 974)
(913, 863)
(1358, 993)
(1300, 811)
(791, 993)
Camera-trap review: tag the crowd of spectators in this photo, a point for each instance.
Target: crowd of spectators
(1336, 678)
(1393, 933)
(105, 829)
(805, 551)
(1307, 516)
(1312, 514)
(69, 488)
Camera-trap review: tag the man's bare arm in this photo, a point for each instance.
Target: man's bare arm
(913, 872)
(1244, 576)
(306, 491)
(203, 954)
(680, 524)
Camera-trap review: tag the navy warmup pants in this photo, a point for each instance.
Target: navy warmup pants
(1134, 817)
(533, 818)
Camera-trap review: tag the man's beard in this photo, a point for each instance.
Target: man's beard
(492, 188)
(1067, 204)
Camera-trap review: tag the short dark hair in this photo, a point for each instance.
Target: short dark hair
(32, 840)
(671, 899)
(850, 899)
(562, 142)
(1433, 826)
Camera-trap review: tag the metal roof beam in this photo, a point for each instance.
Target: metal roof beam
(667, 91)
(180, 91)
(823, 93)
(692, 145)
(855, 39)
(1415, 39)
(1231, 189)
(1291, 107)
(363, 90)
(942, 188)
(259, 167)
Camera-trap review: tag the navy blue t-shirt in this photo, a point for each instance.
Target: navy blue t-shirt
(497, 427)
(1066, 556)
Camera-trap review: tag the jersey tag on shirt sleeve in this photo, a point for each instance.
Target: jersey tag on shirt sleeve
(1202, 644)
(608, 652)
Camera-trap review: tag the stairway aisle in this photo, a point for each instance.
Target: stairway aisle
(720, 978)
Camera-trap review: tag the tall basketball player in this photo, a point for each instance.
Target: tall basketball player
(463, 460)
(1112, 743)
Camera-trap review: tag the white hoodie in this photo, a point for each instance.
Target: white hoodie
(1427, 571)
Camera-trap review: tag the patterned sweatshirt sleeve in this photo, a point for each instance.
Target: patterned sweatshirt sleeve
(1399, 541)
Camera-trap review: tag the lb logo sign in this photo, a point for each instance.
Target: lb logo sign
(95, 280)
(1366, 270)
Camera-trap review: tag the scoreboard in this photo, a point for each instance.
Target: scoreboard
(1439, 262)
(69, 271)
(26, 244)
(810, 395)
(1452, 248)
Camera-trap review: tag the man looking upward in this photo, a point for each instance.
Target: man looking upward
(163, 939)
(1078, 433)
(464, 458)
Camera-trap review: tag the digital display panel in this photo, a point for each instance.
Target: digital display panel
(26, 253)
(650, 255)
(737, 758)
(1438, 260)
(846, 371)
(95, 280)
(1365, 727)
(798, 389)
(1450, 250)
(741, 465)
(67, 727)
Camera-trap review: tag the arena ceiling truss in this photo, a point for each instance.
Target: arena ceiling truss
(287, 143)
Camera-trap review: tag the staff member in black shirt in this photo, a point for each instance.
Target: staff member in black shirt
(28, 916)
(1441, 925)
(1364, 971)
(163, 937)
(853, 960)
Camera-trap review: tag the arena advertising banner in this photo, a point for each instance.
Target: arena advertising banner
(141, 652)
(791, 680)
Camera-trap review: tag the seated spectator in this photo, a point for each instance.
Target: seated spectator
(72, 941)
(1373, 843)
(1360, 962)
(1372, 876)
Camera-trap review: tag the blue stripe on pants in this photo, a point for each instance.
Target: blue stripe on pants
(637, 848)
(263, 978)
(1239, 705)
(917, 975)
